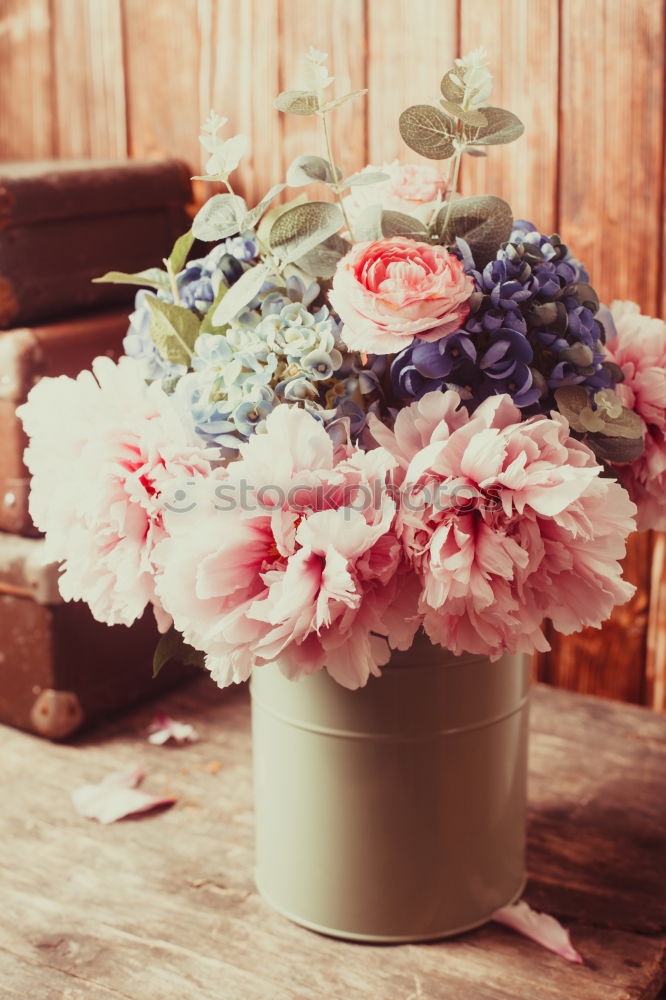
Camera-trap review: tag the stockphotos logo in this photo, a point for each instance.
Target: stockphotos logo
(437, 496)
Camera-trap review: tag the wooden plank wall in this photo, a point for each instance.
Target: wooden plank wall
(111, 78)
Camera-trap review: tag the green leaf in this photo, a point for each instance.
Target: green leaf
(172, 646)
(154, 277)
(219, 217)
(181, 248)
(173, 329)
(310, 169)
(322, 260)
(266, 224)
(364, 177)
(484, 222)
(368, 225)
(615, 449)
(476, 118)
(238, 296)
(207, 324)
(610, 419)
(400, 224)
(501, 127)
(471, 151)
(298, 230)
(256, 213)
(297, 102)
(428, 131)
(339, 101)
(452, 87)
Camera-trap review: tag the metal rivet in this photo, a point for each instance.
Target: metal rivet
(10, 500)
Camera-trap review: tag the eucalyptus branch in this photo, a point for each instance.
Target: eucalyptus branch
(262, 246)
(454, 171)
(334, 175)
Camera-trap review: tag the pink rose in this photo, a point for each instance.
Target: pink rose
(390, 291)
(406, 188)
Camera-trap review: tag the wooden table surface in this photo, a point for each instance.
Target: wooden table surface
(163, 907)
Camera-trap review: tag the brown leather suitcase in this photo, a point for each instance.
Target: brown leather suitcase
(63, 223)
(27, 354)
(59, 668)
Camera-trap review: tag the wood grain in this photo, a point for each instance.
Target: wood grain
(89, 79)
(165, 906)
(411, 44)
(610, 660)
(26, 81)
(521, 39)
(337, 29)
(655, 663)
(243, 88)
(161, 70)
(611, 136)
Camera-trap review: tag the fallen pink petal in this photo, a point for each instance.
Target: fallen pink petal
(163, 729)
(540, 927)
(117, 796)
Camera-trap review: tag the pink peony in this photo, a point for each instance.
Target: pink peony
(388, 292)
(505, 523)
(407, 187)
(299, 563)
(106, 453)
(640, 351)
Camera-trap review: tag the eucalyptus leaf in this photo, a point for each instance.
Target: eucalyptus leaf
(452, 87)
(501, 127)
(472, 151)
(368, 225)
(266, 224)
(309, 169)
(172, 646)
(297, 231)
(322, 260)
(428, 131)
(339, 101)
(573, 403)
(483, 221)
(467, 117)
(174, 330)
(153, 277)
(238, 296)
(364, 177)
(297, 102)
(181, 248)
(219, 217)
(253, 216)
(400, 224)
(615, 449)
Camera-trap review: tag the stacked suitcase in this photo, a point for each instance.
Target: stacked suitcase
(61, 225)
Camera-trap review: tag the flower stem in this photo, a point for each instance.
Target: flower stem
(454, 173)
(172, 280)
(334, 175)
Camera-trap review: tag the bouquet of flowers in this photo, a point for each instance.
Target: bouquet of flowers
(354, 417)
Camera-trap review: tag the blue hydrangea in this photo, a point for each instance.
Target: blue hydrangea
(138, 343)
(198, 284)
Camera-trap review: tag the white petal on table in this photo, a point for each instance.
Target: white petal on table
(540, 927)
(117, 796)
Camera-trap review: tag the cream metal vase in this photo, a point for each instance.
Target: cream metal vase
(396, 812)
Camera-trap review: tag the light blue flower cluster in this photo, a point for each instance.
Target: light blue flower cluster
(281, 353)
(198, 284)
